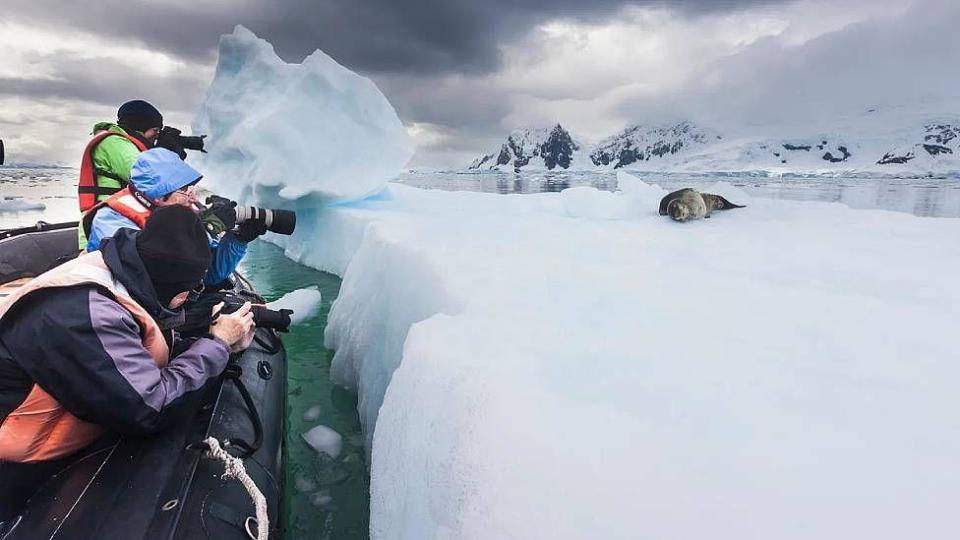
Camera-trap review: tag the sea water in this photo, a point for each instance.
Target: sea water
(324, 497)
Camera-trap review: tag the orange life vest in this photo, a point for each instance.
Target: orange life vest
(125, 203)
(40, 428)
(88, 190)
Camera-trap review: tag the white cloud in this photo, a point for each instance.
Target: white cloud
(26, 48)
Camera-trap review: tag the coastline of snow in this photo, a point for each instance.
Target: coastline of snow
(782, 371)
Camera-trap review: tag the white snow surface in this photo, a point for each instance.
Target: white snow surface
(305, 303)
(279, 131)
(573, 365)
(17, 204)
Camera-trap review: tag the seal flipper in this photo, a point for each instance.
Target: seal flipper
(727, 205)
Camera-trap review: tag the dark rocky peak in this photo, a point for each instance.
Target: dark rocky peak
(551, 147)
(938, 140)
(643, 143)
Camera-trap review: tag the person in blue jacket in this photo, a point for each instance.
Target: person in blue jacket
(160, 178)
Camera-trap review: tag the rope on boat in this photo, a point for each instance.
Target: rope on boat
(233, 468)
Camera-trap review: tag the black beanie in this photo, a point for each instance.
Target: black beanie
(175, 251)
(139, 115)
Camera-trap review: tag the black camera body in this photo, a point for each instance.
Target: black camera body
(172, 139)
(198, 314)
(263, 317)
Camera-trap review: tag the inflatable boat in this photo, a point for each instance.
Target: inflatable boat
(163, 486)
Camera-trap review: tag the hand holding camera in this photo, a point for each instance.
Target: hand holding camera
(236, 328)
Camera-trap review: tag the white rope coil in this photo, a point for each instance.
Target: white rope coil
(233, 468)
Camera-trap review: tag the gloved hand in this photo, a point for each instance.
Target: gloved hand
(219, 216)
(169, 138)
(250, 229)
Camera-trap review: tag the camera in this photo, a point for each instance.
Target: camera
(198, 316)
(172, 139)
(263, 317)
(274, 219)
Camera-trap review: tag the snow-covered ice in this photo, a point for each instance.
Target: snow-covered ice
(280, 131)
(17, 204)
(325, 440)
(573, 365)
(305, 303)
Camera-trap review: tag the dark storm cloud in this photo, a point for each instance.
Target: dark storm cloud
(432, 36)
(105, 81)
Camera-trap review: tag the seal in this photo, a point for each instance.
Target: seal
(687, 204)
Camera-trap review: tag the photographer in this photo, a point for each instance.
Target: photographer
(103, 360)
(160, 178)
(108, 157)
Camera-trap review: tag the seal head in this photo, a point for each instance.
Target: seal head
(683, 205)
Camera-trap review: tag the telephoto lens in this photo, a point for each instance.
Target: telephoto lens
(276, 220)
(193, 142)
(263, 317)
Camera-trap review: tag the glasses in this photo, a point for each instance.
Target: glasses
(195, 293)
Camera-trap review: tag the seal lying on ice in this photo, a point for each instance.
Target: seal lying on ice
(687, 203)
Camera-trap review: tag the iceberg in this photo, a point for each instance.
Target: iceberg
(575, 366)
(279, 132)
(572, 365)
(304, 303)
(324, 440)
(312, 414)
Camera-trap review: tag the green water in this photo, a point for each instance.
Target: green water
(323, 498)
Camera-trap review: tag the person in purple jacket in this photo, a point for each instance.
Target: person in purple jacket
(90, 347)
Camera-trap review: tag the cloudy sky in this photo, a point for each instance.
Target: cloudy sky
(463, 73)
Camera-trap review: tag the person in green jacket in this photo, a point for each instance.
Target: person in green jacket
(107, 160)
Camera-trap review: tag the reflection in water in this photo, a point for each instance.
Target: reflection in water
(927, 197)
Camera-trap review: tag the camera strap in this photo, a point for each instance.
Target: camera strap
(140, 197)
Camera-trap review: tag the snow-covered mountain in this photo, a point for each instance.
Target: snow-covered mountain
(863, 144)
(939, 141)
(643, 143)
(546, 148)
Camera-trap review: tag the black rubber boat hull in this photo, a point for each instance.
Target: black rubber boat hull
(160, 486)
